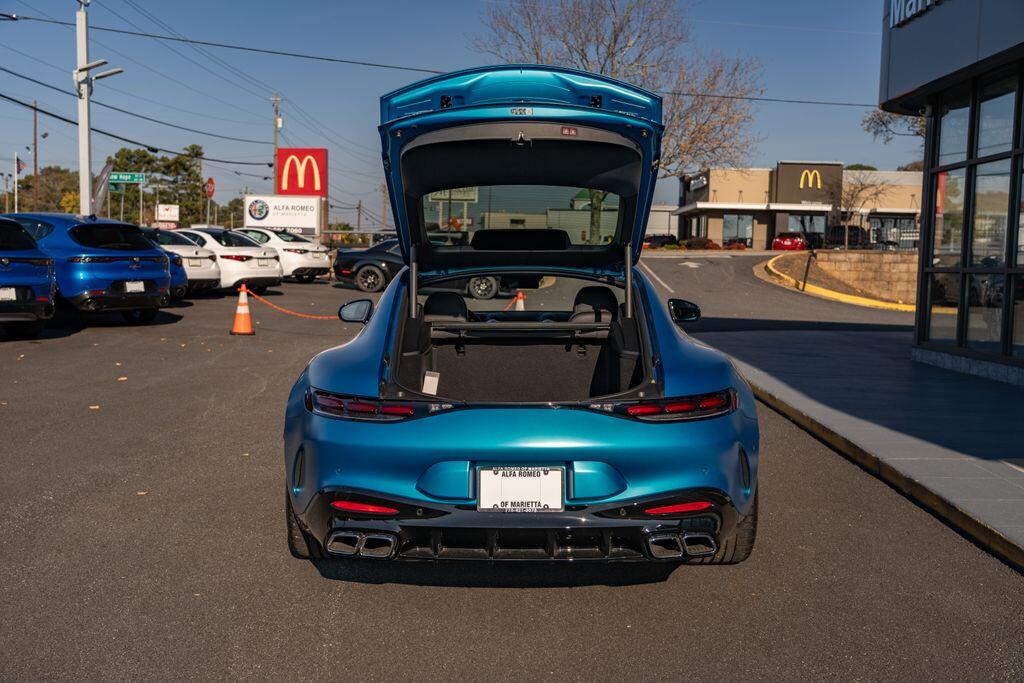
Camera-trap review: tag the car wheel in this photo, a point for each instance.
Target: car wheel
(300, 545)
(24, 330)
(140, 316)
(739, 547)
(370, 279)
(483, 287)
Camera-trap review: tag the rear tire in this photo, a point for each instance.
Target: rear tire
(739, 547)
(140, 316)
(370, 279)
(24, 330)
(301, 546)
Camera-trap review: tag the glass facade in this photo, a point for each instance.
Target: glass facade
(972, 285)
(737, 229)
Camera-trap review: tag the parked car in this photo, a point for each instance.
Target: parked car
(301, 258)
(27, 283)
(102, 264)
(659, 241)
(372, 269)
(179, 278)
(789, 241)
(200, 264)
(240, 258)
(594, 430)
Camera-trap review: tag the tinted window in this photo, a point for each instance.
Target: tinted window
(258, 236)
(199, 239)
(38, 229)
(167, 238)
(104, 236)
(227, 238)
(289, 237)
(13, 237)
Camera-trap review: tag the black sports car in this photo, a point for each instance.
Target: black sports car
(372, 269)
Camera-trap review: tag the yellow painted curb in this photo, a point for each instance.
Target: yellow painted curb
(835, 296)
(948, 511)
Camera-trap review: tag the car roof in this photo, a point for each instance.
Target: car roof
(67, 219)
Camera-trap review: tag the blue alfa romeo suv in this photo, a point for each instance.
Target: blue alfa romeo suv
(576, 421)
(27, 285)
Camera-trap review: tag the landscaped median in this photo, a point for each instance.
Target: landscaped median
(875, 279)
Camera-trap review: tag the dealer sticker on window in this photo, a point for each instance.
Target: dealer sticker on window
(520, 489)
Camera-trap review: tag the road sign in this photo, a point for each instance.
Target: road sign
(167, 212)
(460, 194)
(210, 187)
(126, 178)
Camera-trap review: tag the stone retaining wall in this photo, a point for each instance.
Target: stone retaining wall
(888, 275)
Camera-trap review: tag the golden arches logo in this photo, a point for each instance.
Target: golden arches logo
(811, 178)
(301, 171)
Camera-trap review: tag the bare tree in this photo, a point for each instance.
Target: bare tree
(886, 126)
(854, 192)
(640, 42)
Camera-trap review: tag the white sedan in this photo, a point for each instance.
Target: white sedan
(200, 264)
(240, 258)
(301, 258)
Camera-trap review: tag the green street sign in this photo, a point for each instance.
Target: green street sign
(131, 178)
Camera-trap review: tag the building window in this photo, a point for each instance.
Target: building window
(812, 223)
(990, 215)
(1018, 316)
(949, 218)
(985, 312)
(995, 117)
(954, 122)
(944, 295)
(894, 232)
(737, 229)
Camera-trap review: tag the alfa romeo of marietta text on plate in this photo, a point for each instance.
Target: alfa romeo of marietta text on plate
(592, 430)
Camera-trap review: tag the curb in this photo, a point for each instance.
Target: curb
(946, 510)
(823, 293)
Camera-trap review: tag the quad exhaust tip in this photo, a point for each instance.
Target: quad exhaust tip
(380, 546)
(667, 546)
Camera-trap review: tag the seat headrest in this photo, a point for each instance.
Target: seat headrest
(595, 304)
(445, 306)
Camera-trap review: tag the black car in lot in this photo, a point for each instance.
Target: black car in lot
(372, 269)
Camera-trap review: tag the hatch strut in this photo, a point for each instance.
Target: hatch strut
(413, 280)
(629, 280)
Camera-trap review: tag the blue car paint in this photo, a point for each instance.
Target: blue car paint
(16, 270)
(549, 94)
(76, 280)
(176, 271)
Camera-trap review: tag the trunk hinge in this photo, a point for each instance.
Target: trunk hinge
(629, 280)
(413, 280)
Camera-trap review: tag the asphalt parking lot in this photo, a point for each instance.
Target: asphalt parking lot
(143, 535)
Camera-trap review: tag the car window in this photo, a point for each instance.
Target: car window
(197, 238)
(37, 228)
(110, 236)
(260, 237)
(230, 238)
(13, 237)
(289, 237)
(168, 238)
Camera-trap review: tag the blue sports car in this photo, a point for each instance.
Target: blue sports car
(27, 285)
(576, 421)
(101, 264)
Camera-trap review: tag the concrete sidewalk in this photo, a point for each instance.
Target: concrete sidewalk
(953, 442)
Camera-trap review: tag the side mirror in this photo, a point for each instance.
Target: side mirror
(358, 311)
(683, 311)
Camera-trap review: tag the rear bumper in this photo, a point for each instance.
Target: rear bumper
(251, 282)
(460, 532)
(14, 311)
(318, 270)
(117, 302)
(203, 284)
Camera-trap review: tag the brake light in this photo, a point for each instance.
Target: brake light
(642, 409)
(679, 508)
(212, 257)
(365, 508)
(367, 409)
(297, 251)
(43, 298)
(235, 257)
(674, 409)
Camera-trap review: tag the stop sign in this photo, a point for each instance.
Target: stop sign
(209, 188)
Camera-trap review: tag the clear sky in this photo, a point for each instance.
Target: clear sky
(809, 49)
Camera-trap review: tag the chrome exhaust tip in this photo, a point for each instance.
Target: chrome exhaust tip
(665, 546)
(699, 544)
(343, 543)
(377, 546)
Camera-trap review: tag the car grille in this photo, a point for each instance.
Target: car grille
(620, 543)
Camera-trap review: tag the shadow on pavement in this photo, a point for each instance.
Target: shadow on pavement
(453, 573)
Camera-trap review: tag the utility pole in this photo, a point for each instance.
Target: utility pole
(35, 156)
(359, 214)
(83, 86)
(278, 123)
(384, 206)
(16, 172)
(7, 191)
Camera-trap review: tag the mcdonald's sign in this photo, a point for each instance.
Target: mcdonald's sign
(810, 179)
(302, 171)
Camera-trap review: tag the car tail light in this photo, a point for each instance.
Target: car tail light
(365, 508)
(679, 508)
(176, 260)
(297, 251)
(346, 271)
(355, 408)
(235, 257)
(92, 259)
(39, 261)
(44, 299)
(212, 257)
(674, 409)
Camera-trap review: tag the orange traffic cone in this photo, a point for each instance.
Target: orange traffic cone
(243, 321)
(520, 301)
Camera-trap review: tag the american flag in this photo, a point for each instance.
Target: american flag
(21, 165)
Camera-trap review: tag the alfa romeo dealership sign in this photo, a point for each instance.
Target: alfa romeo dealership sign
(295, 213)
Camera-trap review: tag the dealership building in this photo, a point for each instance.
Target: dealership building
(959, 64)
(861, 208)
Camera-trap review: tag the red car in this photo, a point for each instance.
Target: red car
(789, 241)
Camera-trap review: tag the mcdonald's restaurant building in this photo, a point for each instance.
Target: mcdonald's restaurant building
(960, 64)
(753, 205)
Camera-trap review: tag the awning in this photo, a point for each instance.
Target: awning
(718, 206)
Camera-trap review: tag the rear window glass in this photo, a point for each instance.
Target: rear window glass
(289, 237)
(13, 237)
(551, 297)
(117, 237)
(588, 216)
(228, 238)
(169, 238)
(38, 229)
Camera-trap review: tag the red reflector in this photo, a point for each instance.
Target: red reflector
(681, 407)
(695, 506)
(42, 298)
(346, 271)
(644, 409)
(350, 506)
(360, 407)
(398, 410)
(95, 292)
(713, 402)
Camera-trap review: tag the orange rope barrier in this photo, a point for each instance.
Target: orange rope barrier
(285, 310)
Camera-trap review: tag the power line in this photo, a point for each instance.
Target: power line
(115, 136)
(131, 113)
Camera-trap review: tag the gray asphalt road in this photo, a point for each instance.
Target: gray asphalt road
(144, 537)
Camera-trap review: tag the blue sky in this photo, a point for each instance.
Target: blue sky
(809, 49)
